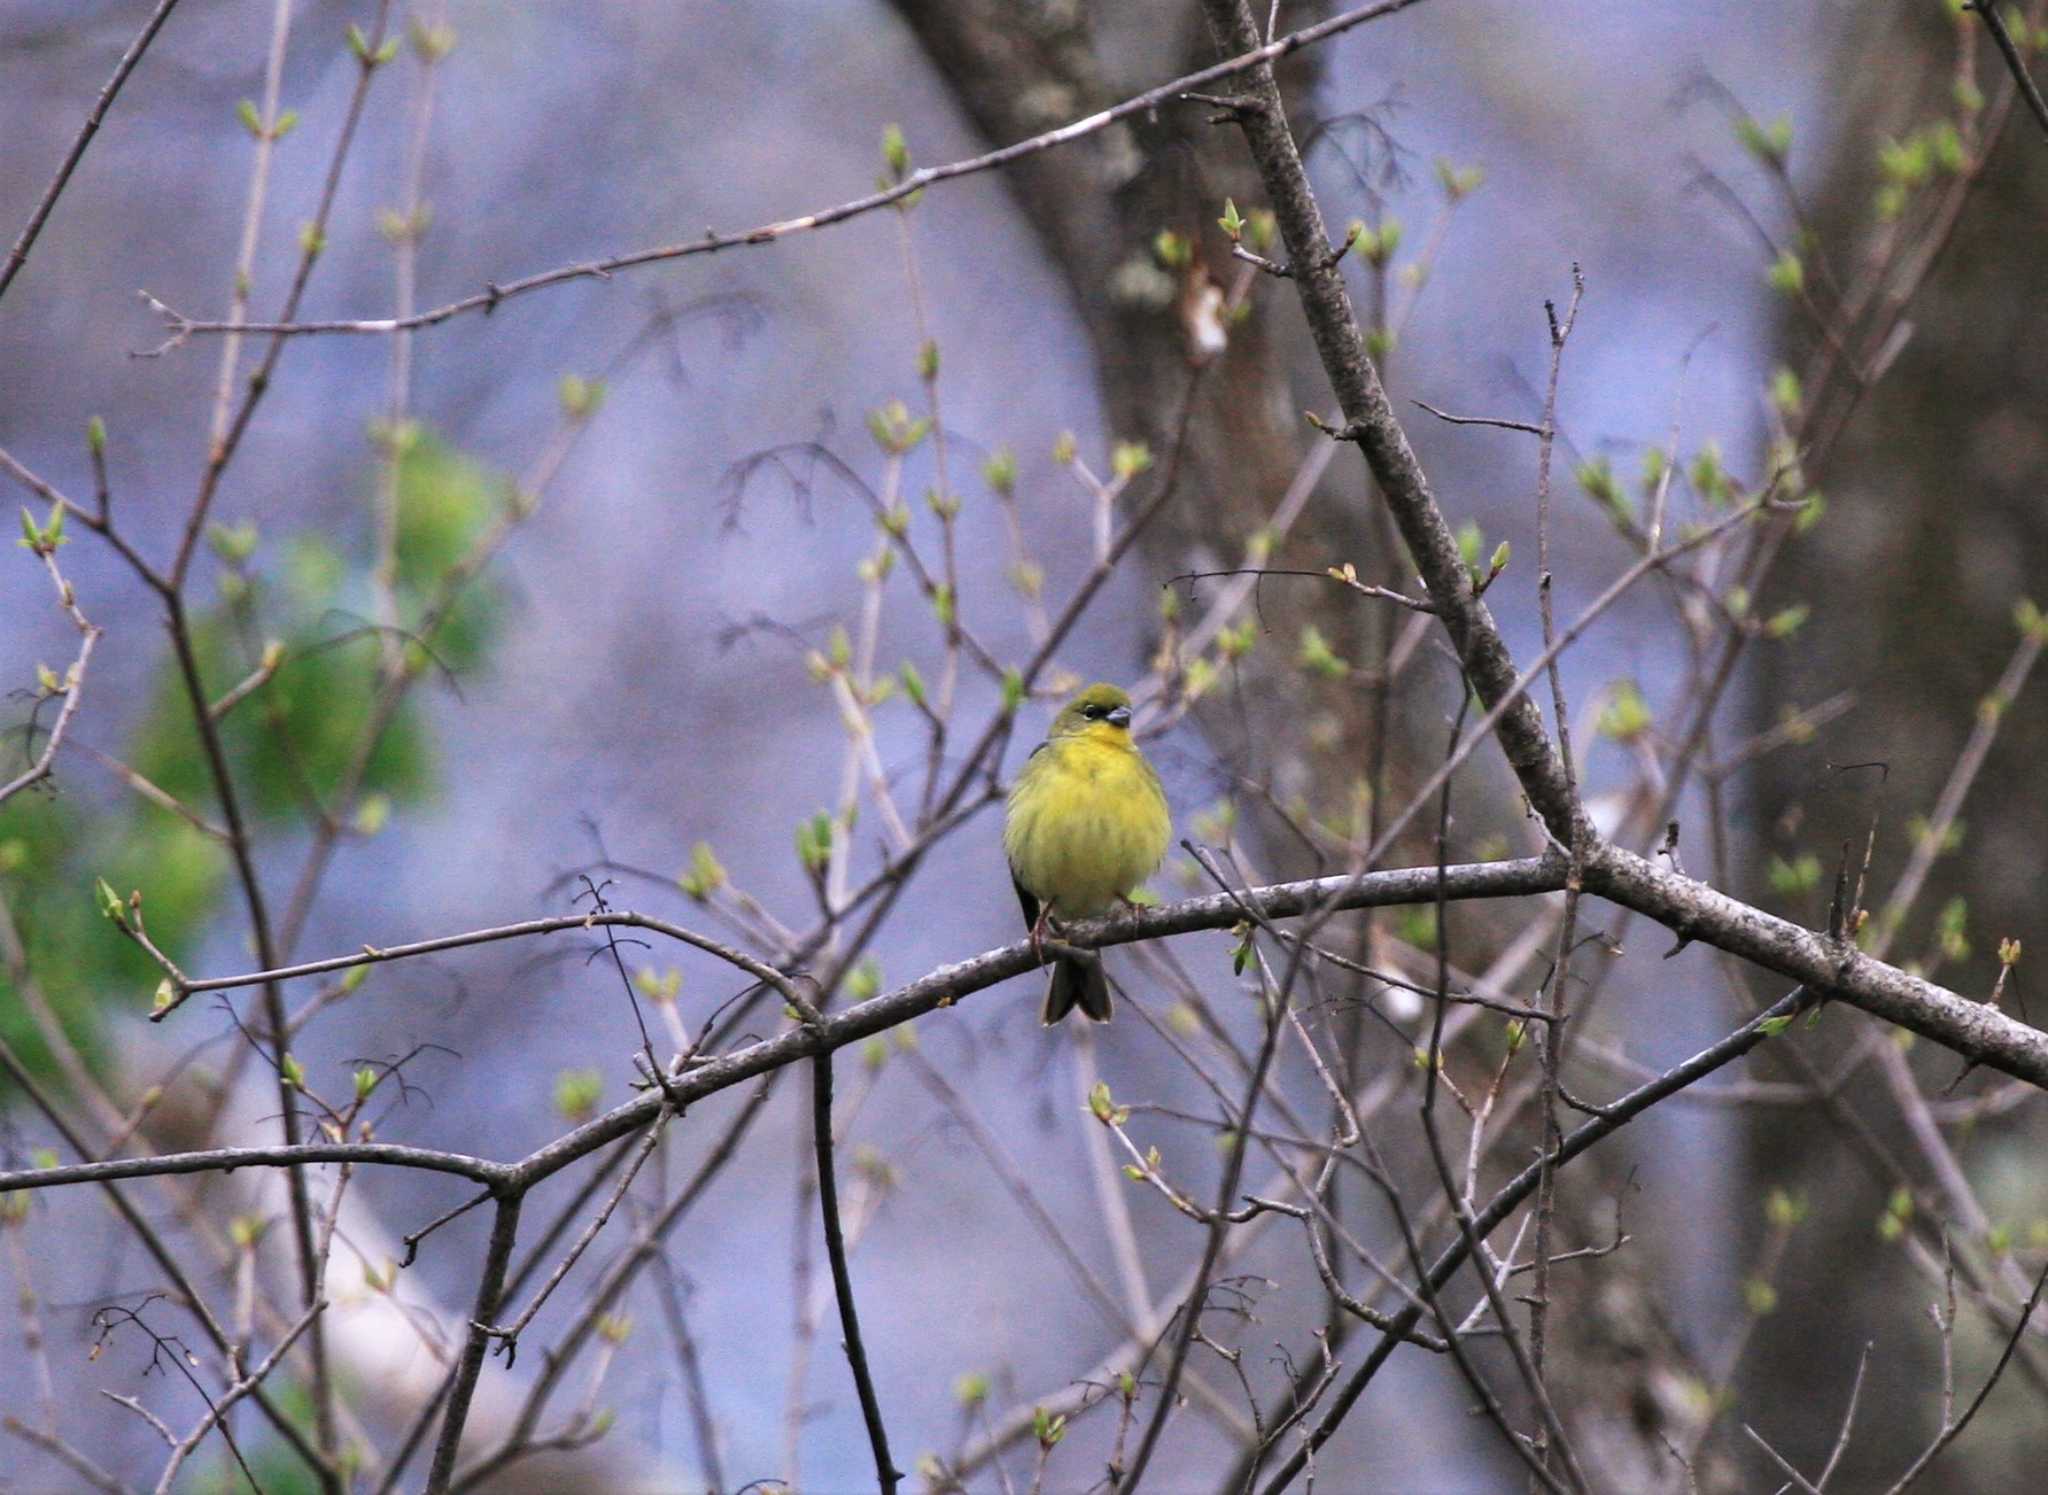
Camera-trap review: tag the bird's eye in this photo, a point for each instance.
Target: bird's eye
(1094, 713)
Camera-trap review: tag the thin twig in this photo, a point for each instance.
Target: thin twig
(2015, 64)
(233, 1394)
(508, 1336)
(1519, 1188)
(1848, 1419)
(1275, 1003)
(26, 240)
(1952, 1431)
(64, 1453)
(886, 1473)
(495, 293)
(1481, 420)
(72, 686)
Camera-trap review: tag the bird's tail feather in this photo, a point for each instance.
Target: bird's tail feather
(1076, 982)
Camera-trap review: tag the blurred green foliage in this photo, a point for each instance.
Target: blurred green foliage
(291, 745)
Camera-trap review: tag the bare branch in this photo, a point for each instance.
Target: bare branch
(72, 686)
(233, 1394)
(2014, 63)
(1952, 1431)
(222, 1159)
(494, 293)
(26, 240)
(489, 1294)
(1511, 1195)
(886, 1473)
(1482, 420)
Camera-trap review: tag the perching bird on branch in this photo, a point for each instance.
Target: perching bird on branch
(1087, 823)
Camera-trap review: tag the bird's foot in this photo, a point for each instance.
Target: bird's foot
(1039, 926)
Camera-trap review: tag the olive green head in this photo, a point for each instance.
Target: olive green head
(1098, 706)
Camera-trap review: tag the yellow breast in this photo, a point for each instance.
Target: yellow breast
(1087, 823)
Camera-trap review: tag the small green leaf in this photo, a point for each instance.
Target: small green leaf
(1376, 246)
(1458, 182)
(895, 151)
(373, 814)
(1786, 394)
(1129, 458)
(865, 979)
(1626, 715)
(577, 1092)
(234, 544)
(1172, 250)
(109, 902)
(705, 875)
(1318, 658)
(1770, 143)
(1784, 1210)
(1787, 275)
(1795, 878)
(579, 397)
(1786, 622)
(1000, 471)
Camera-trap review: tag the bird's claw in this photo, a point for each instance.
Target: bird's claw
(1039, 928)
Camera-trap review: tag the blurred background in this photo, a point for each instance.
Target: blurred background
(629, 676)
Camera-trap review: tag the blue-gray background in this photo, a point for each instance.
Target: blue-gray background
(570, 131)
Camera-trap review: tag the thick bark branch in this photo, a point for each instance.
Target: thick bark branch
(1370, 421)
(1694, 911)
(1689, 909)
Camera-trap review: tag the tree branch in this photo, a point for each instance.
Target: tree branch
(1371, 423)
(26, 241)
(487, 300)
(887, 1475)
(1503, 1204)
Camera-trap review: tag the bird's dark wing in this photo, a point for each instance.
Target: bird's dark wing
(1030, 903)
(1024, 895)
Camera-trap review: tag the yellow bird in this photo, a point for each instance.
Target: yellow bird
(1087, 822)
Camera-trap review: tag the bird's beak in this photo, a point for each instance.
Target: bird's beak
(1121, 717)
